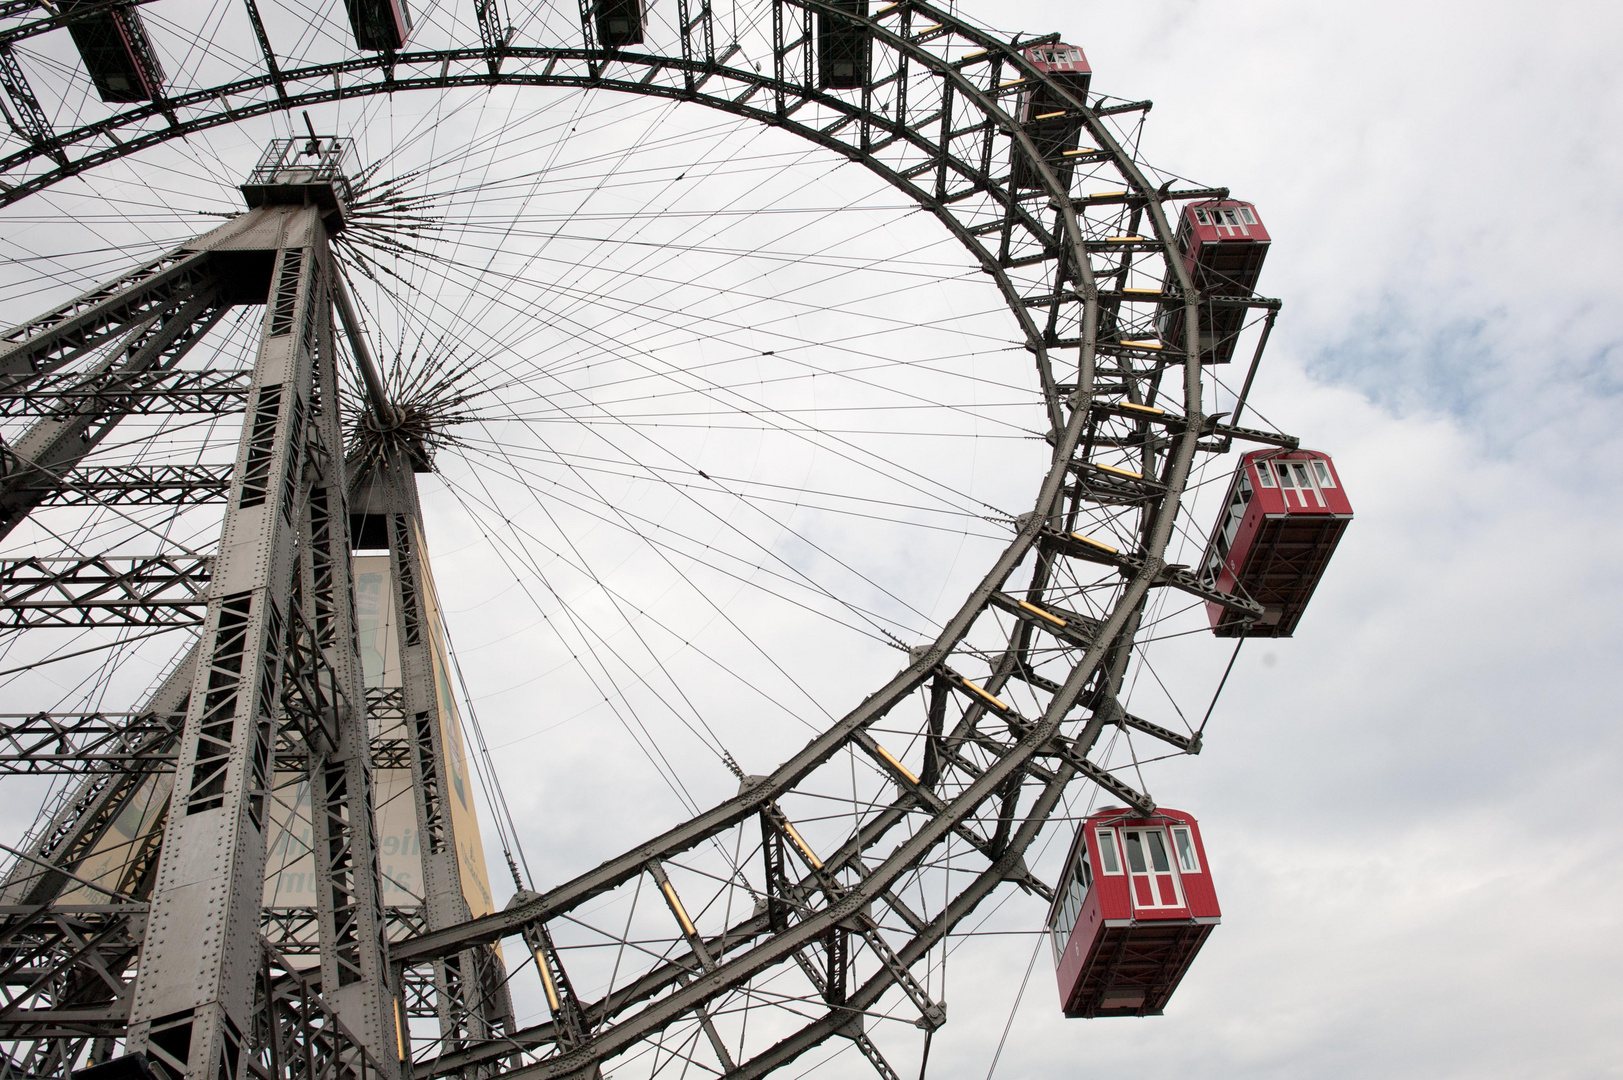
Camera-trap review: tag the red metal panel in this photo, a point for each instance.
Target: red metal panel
(1085, 935)
(1220, 255)
(1060, 59)
(1223, 254)
(1067, 66)
(1199, 891)
(1115, 902)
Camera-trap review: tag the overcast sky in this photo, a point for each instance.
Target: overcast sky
(1412, 809)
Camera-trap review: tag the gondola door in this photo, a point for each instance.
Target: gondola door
(1149, 868)
(1295, 478)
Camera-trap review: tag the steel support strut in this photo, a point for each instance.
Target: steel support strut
(469, 1009)
(194, 992)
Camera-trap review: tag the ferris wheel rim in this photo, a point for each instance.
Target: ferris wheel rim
(1067, 436)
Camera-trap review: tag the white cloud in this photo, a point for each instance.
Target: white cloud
(1411, 809)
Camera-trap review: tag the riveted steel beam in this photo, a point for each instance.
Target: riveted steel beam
(107, 590)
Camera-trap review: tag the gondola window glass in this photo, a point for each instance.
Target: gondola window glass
(1135, 854)
(1108, 859)
(1185, 845)
(1158, 850)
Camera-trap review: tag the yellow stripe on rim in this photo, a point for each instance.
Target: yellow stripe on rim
(897, 765)
(1049, 115)
(1041, 614)
(1119, 472)
(1079, 150)
(676, 906)
(805, 849)
(1106, 194)
(1131, 344)
(1142, 408)
(1091, 542)
(1001, 705)
(1143, 292)
(399, 1032)
(546, 982)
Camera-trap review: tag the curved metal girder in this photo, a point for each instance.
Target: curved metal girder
(1068, 297)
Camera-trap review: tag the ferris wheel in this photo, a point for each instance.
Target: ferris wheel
(809, 403)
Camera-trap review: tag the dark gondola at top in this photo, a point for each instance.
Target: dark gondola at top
(379, 25)
(116, 52)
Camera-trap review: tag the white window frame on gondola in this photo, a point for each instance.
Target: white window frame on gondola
(1109, 852)
(1183, 849)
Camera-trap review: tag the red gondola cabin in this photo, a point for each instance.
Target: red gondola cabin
(1134, 907)
(1052, 124)
(1285, 513)
(1224, 244)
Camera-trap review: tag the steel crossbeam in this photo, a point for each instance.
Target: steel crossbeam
(136, 485)
(41, 744)
(57, 442)
(65, 968)
(93, 318)
(105, 590)
(139, 394)
(25, 116)
(73, 744)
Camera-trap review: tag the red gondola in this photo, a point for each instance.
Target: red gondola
(1224, 244)
(1285, 513)
(1134, 907)
(1052, 124)
(118, 55)
(381, 25)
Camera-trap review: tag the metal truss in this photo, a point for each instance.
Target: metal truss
(937, 117)
(136, 485)
(277, 652)
(472, 1005)
(45, 744)
(105, 590)
(74, 412)
(142, 394)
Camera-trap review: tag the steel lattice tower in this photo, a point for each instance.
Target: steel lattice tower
(266, 720)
